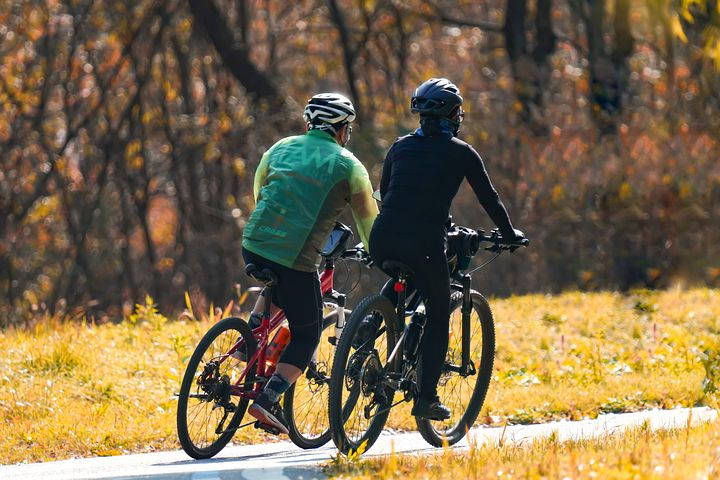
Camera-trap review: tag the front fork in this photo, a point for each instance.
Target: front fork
(339, 300)
(339, 305)
(466, 314)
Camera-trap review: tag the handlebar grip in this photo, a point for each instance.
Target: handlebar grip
(358, 254)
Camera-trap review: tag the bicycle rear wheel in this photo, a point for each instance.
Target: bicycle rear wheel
(305, 402)
(358, 405)
(205, 402)
(463, 394)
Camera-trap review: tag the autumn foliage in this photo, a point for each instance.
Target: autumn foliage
(129, 134)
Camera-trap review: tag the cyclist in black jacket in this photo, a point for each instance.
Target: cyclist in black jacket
(421, 175)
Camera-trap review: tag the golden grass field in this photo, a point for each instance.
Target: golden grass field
(689, 453)
(71, 389)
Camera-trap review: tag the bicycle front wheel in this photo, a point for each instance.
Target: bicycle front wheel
(208, 412)
(305, 402)
(463, 393)
(358, 403)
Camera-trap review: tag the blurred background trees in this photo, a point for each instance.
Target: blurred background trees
(130, 131)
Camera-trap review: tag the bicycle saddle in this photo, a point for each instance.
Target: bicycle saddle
(266, 276)
(395, 268)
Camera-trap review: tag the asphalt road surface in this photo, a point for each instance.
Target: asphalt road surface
(283, 460)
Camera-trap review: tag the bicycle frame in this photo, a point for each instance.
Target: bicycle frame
(267, 326)
(403, 308)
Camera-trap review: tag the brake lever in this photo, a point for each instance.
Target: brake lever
(362, 256)
(523, 243)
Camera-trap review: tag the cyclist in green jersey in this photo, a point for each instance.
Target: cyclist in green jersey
(301, 186)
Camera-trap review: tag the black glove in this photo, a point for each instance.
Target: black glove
(519, 240)
(519, 236)
(510, 236)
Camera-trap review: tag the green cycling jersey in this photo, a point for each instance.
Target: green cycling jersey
(301, 185)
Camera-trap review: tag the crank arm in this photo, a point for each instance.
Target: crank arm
(379, 412)
(236, 428)
(466, 371)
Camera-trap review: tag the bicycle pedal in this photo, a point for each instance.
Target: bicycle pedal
(266, 428)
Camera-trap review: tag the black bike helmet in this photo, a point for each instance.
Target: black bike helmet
(437, 97)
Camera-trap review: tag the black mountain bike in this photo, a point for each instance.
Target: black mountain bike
(377, 355)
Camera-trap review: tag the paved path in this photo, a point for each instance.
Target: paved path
(283, 460)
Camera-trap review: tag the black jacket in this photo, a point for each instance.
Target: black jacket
(421, 176)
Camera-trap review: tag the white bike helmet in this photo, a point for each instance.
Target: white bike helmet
(329, 111)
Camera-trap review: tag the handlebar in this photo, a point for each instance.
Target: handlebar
(499, 244)
(358, 254)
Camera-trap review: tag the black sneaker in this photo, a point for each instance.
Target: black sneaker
(268, 413)
(430, 408)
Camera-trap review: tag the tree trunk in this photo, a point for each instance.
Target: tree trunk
(609, 73)
(531, 72)
(236, 57)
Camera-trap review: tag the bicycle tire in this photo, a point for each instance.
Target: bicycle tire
(429, 430)
(239, 329)
(338, 413)
(301, 438)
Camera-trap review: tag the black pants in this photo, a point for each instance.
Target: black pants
(425, 254)
(298, 294)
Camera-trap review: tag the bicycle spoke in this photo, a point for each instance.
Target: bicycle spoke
(457, 389)
(302, 414)
(202, 422)
(309, 406)
(358, 424)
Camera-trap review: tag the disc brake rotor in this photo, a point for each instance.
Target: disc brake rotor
(370, 374)
(208, 379)
(354, 367)
(317, 376)
(221, 392)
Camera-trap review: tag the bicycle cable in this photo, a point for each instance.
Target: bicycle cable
(347, 273)
(357, 282)
(484, 264)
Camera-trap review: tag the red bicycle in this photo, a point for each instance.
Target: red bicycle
(230, 367)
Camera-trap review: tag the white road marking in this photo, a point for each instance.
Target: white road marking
(283, 460)
(205, 476)
(265, 474)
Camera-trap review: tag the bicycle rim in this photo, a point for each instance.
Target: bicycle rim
(351, 387)
(305, 403)
(207, 412)
(464, 395)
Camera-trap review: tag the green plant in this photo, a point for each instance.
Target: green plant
(147, 313)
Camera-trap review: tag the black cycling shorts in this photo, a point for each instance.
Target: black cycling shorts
(298, 294)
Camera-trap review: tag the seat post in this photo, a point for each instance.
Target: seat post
(268, 301)
(400, 272)
(400, 288)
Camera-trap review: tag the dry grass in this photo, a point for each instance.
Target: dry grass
(689, 453)
(74, 389)
(577, 355)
